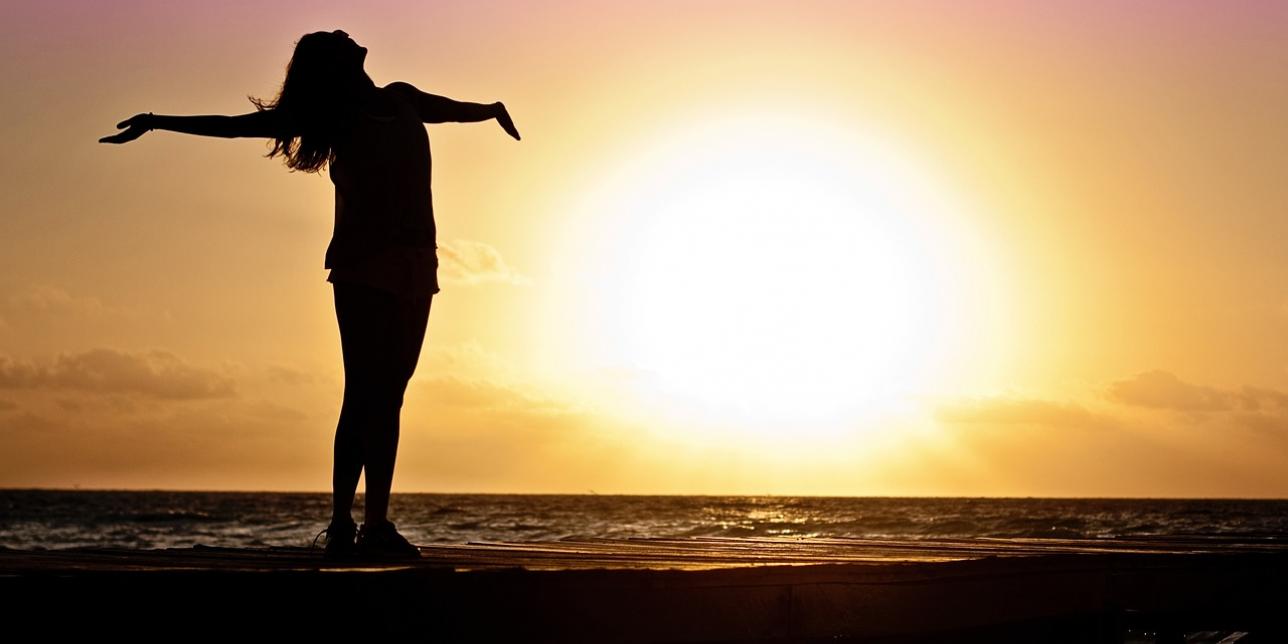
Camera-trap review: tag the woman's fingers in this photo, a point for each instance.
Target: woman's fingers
(507, 124)
(133, 129)
(125, 136)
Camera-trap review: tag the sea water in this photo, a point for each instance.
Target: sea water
(157, 519)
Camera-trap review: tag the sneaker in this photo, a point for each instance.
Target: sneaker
(383, 541)
(339, 539)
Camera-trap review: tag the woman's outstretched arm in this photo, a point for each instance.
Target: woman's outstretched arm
(261, 123)
(440, 109)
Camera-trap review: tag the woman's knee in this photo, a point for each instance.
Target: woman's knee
(368, 400)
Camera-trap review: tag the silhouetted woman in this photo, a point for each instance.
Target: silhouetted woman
(382, 253)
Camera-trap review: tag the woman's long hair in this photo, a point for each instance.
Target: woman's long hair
(319, 97)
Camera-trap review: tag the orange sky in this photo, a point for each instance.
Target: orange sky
(987, 248)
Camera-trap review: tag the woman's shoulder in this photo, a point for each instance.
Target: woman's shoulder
(401, 88)
(399, 92)
(398, 98)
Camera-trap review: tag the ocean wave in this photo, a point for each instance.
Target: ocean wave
(177, 519)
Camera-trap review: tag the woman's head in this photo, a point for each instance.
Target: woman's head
(328, 54)
(323, 84)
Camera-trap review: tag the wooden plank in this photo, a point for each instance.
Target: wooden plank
(693, 553)
(673, 590)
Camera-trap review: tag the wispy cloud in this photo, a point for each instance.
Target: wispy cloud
(1151, 393)
(472, 262)
(291, 376)
(487, 395)
(1020, 411)
(1163, 390)
(46, 301)
(157, 374)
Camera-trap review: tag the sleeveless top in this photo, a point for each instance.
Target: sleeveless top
(384, 232)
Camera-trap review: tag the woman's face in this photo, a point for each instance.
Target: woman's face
(350, 47)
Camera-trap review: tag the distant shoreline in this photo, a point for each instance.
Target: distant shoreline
(680, 495)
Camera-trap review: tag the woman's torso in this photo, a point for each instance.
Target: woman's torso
(384, 232)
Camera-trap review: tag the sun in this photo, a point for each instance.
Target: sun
(771, 271)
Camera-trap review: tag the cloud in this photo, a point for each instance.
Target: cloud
(1020, 411)
(45, 298)
(1152, 391)
(486, 395)
(1257, 399)
(37, 305)
(471, 262)
(271, 411)
(26, 424)
(157, 374)
(38, 319)
(100, 405)
(1163, 390)
(290, 376)
(1202, 407)
(1270, 423)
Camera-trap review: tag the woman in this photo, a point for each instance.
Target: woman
(382, 253)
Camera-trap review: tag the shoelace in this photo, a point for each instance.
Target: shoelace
(326, 531)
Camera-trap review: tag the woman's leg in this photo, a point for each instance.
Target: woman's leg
(364, 318)
(348, 463)
(407, 335)
(381, 338)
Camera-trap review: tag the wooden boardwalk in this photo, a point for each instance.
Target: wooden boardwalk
(670, 590)
(578, 554)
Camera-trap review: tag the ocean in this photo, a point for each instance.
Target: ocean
(158, 519)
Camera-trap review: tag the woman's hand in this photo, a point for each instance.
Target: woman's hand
(134, 126)
(503, 117)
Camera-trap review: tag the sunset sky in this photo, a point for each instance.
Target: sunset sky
(825, 248)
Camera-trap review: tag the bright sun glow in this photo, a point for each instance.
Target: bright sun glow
(768, 271)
